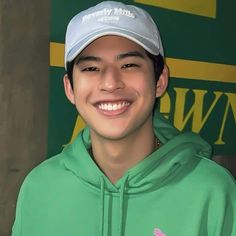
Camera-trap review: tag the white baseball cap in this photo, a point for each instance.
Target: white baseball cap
(111, 18)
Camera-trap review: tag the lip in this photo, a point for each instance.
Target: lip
(113, 108)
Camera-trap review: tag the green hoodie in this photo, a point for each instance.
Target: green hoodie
(175, 191)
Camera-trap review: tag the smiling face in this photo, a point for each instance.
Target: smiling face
(114, 88)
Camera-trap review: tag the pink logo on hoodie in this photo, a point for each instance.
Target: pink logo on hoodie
(158, 232)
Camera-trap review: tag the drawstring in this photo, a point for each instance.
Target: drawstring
(102, 196)
(102, 205)
(122, 190)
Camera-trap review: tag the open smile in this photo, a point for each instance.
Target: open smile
(113, 108)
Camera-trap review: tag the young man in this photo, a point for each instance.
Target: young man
(129, 172)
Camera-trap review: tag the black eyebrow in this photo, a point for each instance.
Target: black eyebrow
(130, 54)
(118, 57)
(86, 58)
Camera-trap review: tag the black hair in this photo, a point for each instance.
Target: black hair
(69, 71)
(158, 63)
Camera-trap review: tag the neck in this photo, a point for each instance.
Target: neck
(115, 157)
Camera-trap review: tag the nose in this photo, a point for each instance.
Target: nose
(111, 80)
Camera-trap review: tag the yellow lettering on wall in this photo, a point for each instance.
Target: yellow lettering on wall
(231, 102)
(197, 7)
(179, 120)
(196, 111)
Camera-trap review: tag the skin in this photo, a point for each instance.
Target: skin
(114, 92)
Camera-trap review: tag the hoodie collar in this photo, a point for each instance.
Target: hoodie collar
(160, 166)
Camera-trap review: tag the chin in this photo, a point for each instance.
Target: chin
(110, 134)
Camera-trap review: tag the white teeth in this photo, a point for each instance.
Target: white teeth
(109, 107)
(113, 106)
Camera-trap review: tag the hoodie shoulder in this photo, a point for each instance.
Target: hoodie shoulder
(213, 176)
(47, 173)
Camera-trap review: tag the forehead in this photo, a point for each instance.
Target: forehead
(111, 44)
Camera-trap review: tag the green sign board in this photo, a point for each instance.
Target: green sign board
(200, 49)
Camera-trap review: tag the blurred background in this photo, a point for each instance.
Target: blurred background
(36, 120)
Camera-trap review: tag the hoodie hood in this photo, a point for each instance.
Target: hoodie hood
(177, 150)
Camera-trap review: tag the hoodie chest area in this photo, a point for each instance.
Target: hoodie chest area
(75, 209)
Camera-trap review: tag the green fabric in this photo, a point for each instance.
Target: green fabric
(176, 190)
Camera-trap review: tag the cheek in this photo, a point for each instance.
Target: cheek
(82, 87)
(146, 85)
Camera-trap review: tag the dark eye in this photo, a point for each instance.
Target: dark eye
(90, 69)
(130, 65)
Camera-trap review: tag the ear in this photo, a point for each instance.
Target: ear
(68, 89)
(162, 83)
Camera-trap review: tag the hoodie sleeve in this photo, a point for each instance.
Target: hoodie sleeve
(16, 229)
(222, 208)
(17, 226)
